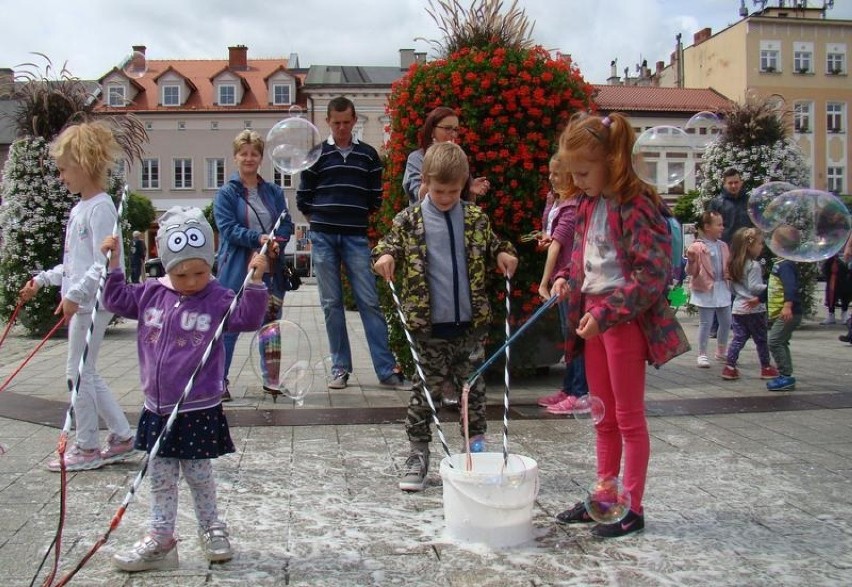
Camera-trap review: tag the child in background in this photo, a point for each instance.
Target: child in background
(785, 316)
(838, 289)
(618, 313)
(446, 252)
(178, 315)
(558, 223)
(84, 153)
(749, 309)
(707, 268)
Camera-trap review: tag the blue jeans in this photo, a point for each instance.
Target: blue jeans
(329, 252)
(574, 380)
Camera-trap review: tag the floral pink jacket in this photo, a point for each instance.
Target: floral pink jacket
(644, 251)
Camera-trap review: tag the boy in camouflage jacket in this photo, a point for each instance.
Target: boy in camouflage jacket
(444, 250)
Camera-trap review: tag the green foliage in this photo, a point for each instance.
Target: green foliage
(211, 218)
(140, 212)
(513, 102)
(684, 208)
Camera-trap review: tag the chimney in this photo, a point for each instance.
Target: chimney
(293, 61)
(7, 82)
(661, 65)
(702, 36)
(238, 58)
(406, 58)
(420, 57)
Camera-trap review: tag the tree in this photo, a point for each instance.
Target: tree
(513, 99)
(756, 144)
(140, 212)
(35, 205)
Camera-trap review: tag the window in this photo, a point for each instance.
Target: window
(181, 125)
(227, 95)
(215, 173)
(834, 180)
(149, 126)
(802, 117)
(214, 125)
(835, 58)
(183, 174)
(171, 95)
(676, 169)
(802, 61)
(281, 94)
(115, 96)
(834, 117)
(770, 56)
(247, 124)
(150, 179)
(284, 180)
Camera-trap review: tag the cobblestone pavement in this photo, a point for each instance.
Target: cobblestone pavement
(745, 487)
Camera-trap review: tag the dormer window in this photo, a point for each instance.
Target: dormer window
(116, 96)
(171, 95)
(227, 95)
(281, 94)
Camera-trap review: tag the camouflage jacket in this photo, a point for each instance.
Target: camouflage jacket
(406, 243)
(644, 251)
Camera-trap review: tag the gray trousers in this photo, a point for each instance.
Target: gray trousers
(780, 333)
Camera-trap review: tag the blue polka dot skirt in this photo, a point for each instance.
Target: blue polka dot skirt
(201, 434)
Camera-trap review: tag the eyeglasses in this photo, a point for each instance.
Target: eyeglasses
(455, 129)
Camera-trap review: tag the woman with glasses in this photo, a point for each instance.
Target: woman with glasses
(441, 125)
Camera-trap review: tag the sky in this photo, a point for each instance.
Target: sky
(91, 37)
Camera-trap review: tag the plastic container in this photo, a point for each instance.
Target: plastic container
(490, 504)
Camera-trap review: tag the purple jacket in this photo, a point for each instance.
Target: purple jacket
(174, 331)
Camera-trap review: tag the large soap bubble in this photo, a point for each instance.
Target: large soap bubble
(294, 144)
(281, 356)
(807, 225)
(134, 65)
(706, 128)
(760, 197)
(607, 501)
(649, 147)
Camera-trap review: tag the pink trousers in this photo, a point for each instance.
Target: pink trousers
(615, 370)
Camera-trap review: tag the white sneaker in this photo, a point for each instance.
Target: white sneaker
(703, 362)
(215, 544)
(829, 320)
(338, 380)
(148, 555)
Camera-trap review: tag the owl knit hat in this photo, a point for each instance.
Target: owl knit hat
(184, 234)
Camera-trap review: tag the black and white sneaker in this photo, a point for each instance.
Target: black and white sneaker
(416, 469)
(576, 514)
(339, 380)
(631, 523)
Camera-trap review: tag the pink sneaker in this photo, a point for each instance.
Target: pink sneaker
(78, 459)
(550, 400)
(566, 406)
(116, 450)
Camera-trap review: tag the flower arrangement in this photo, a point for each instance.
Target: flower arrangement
(513, 100)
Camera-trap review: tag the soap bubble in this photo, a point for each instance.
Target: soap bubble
(647, 151)
(134, 65)
(607, 501)
(808, 225)
(294, 144)
(281, 356)
(760, 197)
(589, 407)
(707, 127)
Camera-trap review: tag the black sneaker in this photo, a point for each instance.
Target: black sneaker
(577, 514)
(844, 338)
(631, 523)
(397, 381)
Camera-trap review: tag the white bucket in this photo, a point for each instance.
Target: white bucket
(490, 504)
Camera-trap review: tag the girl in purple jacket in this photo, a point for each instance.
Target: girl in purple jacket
(178, 316)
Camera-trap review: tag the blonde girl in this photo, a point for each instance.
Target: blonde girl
(749, 307)
(84, 153)
(707, 268)
(615, 286)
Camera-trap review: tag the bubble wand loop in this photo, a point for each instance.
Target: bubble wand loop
(137, 481)
(536, 315)
(416, 356)
(74, 388)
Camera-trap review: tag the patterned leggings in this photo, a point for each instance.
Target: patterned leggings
(752, 326)
(164, 473)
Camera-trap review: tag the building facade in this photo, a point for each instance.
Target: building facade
(795, 56)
